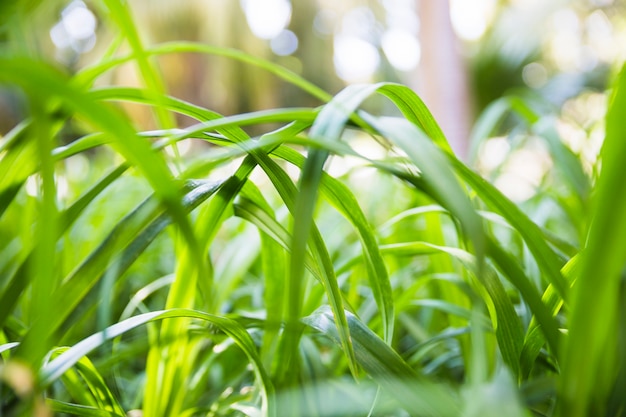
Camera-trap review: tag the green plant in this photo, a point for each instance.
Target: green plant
(168, 283)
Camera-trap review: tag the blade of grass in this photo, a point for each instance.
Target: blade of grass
(17, 283)
(79, 410)
(87, 76)
(49, 83)
(437, 175)
(546, 258)
(51, 371)
(85, 375)
(505, 321)
(127, 240)
(345, 202)
(590, 361)
(155, 87)
(415, 393)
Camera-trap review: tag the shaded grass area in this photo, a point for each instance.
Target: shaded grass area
(245, 278)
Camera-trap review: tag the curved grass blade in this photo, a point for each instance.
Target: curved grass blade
(514, 274)
(328, 126)
(85, 385)
(546, 258)
(17, 283)
(416, 394)
(125, 242)
(415, 111)
(287, 191)
(79, 410)
(253, 212)
(59, 365)
(437, 175)
(508, 328)
(87, 76)
(274, 267)
(154, 83)
(590, 360)
(8, 346)
(428, 157)
(534, 341)
(50, 83)
(344, 201)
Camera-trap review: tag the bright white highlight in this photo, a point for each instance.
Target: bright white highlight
(401, 15)
(535, 75)
(470, 19)
(267, 18)
(76, 29)
(355, 60)
(78, 21)
(286, 43)
(402, 49)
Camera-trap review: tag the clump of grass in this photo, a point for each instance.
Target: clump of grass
(171, 285)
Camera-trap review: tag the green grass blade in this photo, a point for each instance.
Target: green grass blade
(514, 273)
(87, 76)
(86, 386)
(328, 126)
(54, 369)
(155, 86)
(508, 328)
(274, 267)
(416, 394)
(590, 360)
(79, 410)
(49, 83)
(344, 201)
(416, 112)
(546, 258)
(126, 241)
(534, 341)
(17, 283)
(437, 174)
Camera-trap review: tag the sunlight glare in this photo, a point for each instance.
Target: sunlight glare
(267, 18)
(402, 49)
(355, 60)
(470, 19)
(76, 29)
(286, 43)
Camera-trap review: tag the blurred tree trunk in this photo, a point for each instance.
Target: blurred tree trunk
(441, 79)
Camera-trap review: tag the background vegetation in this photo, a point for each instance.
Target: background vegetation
(310, 254)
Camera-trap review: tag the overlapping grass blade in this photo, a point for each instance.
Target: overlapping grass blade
(439, 179)
(127, 240)
(50, 84)
(85, 375)
(506, 323)
(59, 365)
(120, 12)
(274, 267)
(79, 410)
(87, 76)
(416, 394)
(328, 126)
(345, 202)
(590, 361)
(514, 273)
(17, 283)
(545, 256)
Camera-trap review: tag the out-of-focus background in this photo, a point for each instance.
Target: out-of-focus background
(459, 55)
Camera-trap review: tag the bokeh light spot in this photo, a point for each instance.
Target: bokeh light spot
(355, 60)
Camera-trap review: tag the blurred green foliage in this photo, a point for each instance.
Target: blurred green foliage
(307, 254)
